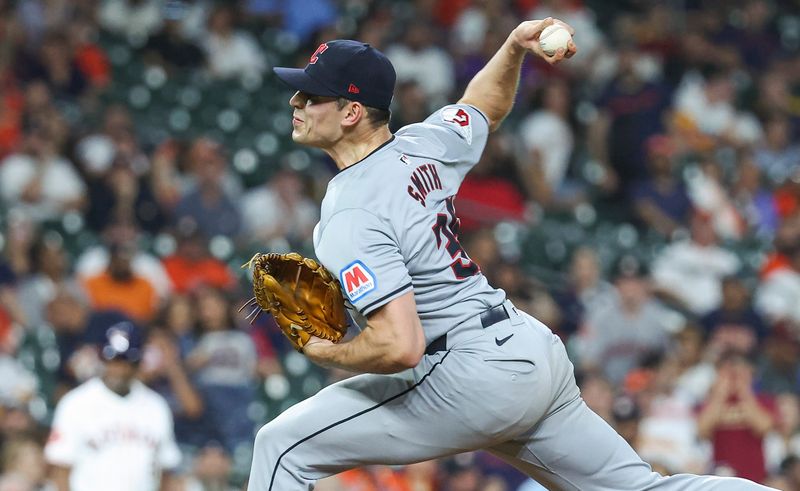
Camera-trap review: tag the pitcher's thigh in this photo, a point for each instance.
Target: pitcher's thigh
(369, 419)
(575, 449)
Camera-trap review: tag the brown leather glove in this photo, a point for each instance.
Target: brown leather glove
(301, 295)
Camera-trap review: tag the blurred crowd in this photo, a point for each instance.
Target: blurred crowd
(677, 123)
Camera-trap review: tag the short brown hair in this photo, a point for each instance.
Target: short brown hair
(378, 117)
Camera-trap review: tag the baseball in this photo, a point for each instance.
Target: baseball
(553, 37)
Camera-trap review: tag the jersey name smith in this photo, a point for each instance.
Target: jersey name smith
(424, 179)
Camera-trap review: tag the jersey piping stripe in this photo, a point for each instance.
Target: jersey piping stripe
(360, 413)
(390, 140)
(366, 309)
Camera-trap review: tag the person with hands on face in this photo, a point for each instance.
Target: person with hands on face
(163, 370)
(736, 419)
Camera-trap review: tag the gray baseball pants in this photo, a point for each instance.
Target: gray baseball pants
(517, 400)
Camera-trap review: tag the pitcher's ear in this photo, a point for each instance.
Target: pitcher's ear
(355, 113)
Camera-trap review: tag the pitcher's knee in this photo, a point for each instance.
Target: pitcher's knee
(276, 452)
(277, 460)
(274, 439)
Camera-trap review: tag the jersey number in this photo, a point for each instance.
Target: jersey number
(447, 225)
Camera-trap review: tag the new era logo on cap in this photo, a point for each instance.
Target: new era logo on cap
(353, 89)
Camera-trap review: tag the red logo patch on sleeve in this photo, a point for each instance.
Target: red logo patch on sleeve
(460, 119)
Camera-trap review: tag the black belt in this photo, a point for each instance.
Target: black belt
(488, 318)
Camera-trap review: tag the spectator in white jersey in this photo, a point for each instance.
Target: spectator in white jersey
(113, 432)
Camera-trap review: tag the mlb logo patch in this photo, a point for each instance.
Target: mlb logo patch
(460, 120)
(357, 280)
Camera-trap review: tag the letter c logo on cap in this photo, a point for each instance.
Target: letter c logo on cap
(322, 48)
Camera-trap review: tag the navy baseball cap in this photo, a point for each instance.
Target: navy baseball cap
(123, 341)
(345, 68)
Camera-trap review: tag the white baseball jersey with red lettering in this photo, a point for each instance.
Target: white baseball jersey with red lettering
(383, 239)
(110, 441)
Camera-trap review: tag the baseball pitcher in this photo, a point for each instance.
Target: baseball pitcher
(448, 363)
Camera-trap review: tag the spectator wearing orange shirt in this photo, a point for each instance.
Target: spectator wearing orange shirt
(422, 476)
(787, 196)
(191, 266)
(119, 288)
(90, 58)
(786, 238)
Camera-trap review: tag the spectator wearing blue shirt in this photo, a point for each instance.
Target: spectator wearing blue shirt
(223, 365)
(735, 325)
(79, 330)
(630, 111)
(207, 204)
(302, 19)
(661, 201)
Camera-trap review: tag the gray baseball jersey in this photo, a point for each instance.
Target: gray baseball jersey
(388, 223)
(388, 226)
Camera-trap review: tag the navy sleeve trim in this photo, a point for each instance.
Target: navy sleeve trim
(485, 118)
(377, 303)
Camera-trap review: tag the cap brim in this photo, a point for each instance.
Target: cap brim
(298, 79)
